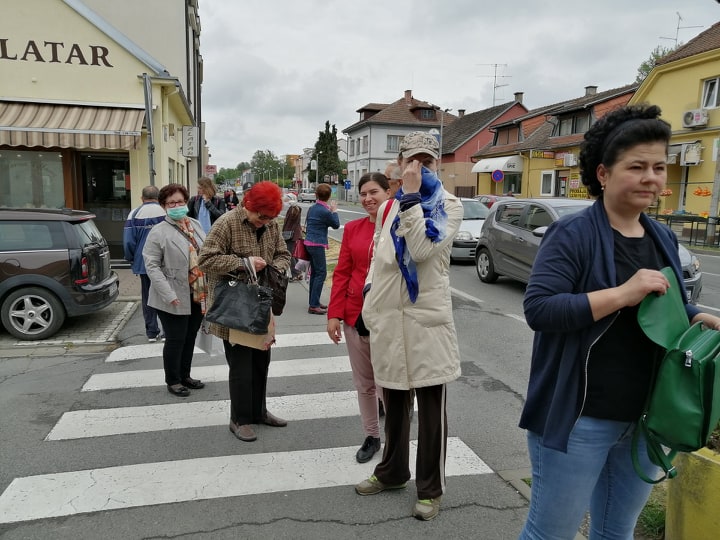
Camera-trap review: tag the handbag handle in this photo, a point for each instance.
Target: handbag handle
(250, 270)
(655, 453)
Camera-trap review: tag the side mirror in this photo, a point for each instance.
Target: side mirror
(540, 231)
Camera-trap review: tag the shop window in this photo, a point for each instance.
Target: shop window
(106, 178)
(31, 179)
(547, 183)
(512, 183)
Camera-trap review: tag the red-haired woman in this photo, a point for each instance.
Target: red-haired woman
(252, 232)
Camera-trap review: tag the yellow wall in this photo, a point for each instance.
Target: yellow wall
(60, 80)
(676, 88)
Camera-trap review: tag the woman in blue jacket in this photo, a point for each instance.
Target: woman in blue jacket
(320, 216)
(592, 365)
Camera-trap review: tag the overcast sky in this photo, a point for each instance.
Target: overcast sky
(276, 70)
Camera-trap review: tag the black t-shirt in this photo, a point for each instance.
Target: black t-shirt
(623, 359)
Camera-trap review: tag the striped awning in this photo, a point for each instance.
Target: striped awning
(70, 126)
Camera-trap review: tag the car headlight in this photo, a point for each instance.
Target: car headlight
(463, 235)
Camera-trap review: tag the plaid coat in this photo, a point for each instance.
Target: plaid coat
(231, 238)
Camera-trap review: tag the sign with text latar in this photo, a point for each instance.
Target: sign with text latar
(190, 139)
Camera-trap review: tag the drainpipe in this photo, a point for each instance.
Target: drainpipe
(147, 85)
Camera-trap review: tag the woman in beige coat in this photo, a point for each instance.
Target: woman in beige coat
(408, 311)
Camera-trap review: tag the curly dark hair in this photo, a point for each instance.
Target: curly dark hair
(379, 178)
(171, 189)
(615, 133)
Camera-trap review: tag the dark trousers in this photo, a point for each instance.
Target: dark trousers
(432, 440)
(318, 273)
(180, 334)
(247, 381)
(152, 330)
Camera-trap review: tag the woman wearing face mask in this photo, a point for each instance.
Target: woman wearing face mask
(177, 286)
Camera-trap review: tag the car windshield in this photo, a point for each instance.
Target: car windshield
(474, 210)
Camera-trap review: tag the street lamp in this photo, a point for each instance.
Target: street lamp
(442, 122)
(317, 172)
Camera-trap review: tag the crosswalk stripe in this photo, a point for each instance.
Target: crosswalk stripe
(218, 373)
(128, 486)
(150, 350)
(121, 420)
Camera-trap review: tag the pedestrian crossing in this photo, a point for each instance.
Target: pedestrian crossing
(150, 483)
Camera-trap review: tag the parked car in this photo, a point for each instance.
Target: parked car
(474, 214)
(306, 195)
(53, 264)
(489, 200)
(511, 236)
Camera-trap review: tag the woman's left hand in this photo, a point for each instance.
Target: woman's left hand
(334, 330)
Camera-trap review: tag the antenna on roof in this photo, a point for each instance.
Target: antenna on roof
(677, 30)
(495, 77)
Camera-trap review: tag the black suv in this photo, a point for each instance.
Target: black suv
(53, 264)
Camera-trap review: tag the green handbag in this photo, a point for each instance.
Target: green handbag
(683, 407)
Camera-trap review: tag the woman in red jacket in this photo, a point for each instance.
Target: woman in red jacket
(346, 301)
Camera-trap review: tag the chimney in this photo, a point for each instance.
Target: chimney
(518, 96)
(461, 113)
(590, 90)
(408, 97)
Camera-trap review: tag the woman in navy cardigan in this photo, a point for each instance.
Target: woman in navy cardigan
(592, 365)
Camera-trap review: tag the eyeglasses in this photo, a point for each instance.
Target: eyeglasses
(263, 217)
(173, 204)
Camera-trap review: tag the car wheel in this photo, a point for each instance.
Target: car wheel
(485, 267)
(32, 313)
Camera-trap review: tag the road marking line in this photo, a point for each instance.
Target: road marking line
(133, 352)
(708, 307)
(122, 420)
(219, 373)
(129, 486)
(466, 296)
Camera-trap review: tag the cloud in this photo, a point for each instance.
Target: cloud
(276, 70)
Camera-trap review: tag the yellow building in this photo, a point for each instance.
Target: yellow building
(685, 84)
(97, 100)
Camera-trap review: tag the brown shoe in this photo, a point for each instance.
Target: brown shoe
(272, 420)
(244, 432)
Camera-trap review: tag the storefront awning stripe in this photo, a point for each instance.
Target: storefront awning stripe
(70, 126)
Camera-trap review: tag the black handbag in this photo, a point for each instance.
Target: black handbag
(244, 306)
(276, 280)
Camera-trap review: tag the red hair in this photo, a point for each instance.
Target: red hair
(263, 197)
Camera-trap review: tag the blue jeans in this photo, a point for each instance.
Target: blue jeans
(318, 273)
(596, 473)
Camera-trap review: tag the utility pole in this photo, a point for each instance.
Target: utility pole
(495, 77)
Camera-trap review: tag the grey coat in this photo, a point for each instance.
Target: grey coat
(167, 260)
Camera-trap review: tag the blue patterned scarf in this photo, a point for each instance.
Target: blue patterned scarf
(432, 201)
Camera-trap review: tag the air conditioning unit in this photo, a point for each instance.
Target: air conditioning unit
(695, 118)
(570, 160)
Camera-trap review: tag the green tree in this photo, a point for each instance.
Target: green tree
(266, 165)
(647, 66)
(329, 165)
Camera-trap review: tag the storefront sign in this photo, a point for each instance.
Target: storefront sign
(190, 141)
(542, 154)
(55, 52)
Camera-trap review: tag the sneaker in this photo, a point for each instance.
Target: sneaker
(368, 449)
(152, 339)
(426, 509)
(372, 485)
